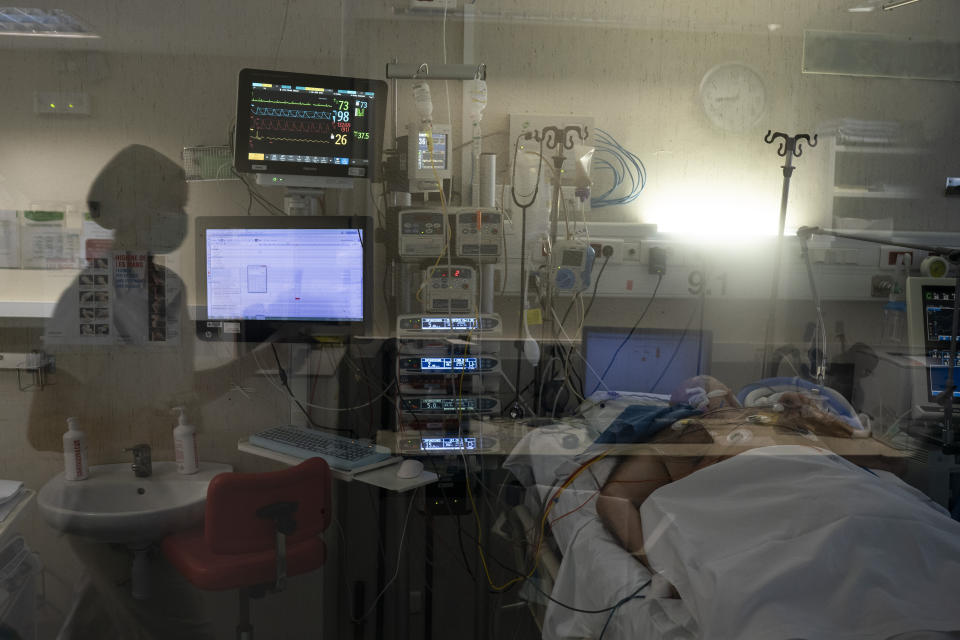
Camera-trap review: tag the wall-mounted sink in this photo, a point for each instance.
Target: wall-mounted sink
(113, 505)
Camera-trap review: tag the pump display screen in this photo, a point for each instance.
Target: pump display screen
(448, 364)
(572, 258)
(448, 444)
(938, 302)
(448, 404)
(437, 159)
(938, 312)
(448, 324)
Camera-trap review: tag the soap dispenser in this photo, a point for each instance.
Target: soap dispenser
(75, 452)
(185, 444)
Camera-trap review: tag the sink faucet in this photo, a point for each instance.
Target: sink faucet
(142, 467)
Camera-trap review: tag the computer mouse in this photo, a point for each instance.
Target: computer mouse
(409, 469)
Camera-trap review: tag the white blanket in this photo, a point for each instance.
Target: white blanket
(792, 542)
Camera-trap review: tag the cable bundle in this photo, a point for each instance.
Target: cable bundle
(625, 166)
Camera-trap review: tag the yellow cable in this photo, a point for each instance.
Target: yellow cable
(443, 206)
(541, 534)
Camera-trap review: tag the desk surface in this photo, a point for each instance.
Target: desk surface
(507, 435)
(384, 476)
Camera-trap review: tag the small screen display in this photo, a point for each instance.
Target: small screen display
(436, 160)
(448, 404)
(464, 323)
(433, 324)
(938, 312)
(451, 273)
(572, 257)
(448, 364)
(447, 323)
(448, 444)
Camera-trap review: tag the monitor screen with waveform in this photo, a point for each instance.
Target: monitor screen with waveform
(292, 127)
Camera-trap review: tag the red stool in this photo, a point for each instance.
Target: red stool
(258, 529)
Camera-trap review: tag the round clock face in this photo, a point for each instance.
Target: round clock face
(733, 97)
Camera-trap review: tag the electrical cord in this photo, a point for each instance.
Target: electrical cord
(596, 285)
(635, 594)
(403, 534)
(653, 297)
(612, 156)
(676, 349)
(282, 374)
(385, 391)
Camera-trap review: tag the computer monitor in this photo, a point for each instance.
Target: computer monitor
(930, 303)
(303, 130)
(284, 278)
(646, 360)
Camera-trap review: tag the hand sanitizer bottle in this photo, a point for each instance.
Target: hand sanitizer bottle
(185, 445)
(75, 452)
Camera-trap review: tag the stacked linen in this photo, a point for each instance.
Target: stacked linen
(851, 131)
(10, 493)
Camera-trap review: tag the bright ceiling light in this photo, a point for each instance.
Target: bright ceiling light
(866, 8)
(54, 23)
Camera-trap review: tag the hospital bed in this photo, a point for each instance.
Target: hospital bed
(882, 556)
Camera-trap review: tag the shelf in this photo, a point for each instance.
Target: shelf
(902, 193)
(880, 149)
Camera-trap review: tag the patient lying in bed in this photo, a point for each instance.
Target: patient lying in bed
(728, 429)
(783, 541)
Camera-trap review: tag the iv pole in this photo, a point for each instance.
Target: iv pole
(790, 147)
(950, 445)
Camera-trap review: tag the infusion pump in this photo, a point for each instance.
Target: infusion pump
(571, 262)
(450, 289)
(422, 233)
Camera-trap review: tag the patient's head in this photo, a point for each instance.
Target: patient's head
(140, 194)
(704, 392)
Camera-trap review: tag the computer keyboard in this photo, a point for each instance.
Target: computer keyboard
(344, 454)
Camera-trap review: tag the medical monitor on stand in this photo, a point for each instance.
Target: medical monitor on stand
(309, 131)
(930, 304)
(292, 279)
(643, 360)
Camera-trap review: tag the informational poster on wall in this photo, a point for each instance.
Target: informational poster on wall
(121, 298)
(97, 242)
(46, 242)
(9, 239)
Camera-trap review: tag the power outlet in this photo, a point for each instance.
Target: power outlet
(602, 246)
(889, 255)
(631, 252)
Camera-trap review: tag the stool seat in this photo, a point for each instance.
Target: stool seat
(258, 528)
(188, 552)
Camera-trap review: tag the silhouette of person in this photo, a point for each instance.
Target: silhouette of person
(123, 371)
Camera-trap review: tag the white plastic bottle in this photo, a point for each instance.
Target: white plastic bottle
(185, 445)
(75, 452)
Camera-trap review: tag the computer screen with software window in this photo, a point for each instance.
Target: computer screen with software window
(644, 360)
(302, 276)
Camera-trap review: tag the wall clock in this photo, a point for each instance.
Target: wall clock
(733, 97)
